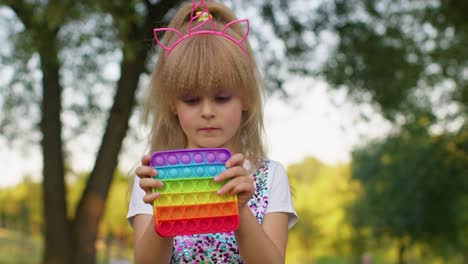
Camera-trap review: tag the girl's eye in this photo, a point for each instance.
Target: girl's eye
(222, 98)
(190, 100)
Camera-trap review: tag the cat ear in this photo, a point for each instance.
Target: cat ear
(155, 32)
(240, 21)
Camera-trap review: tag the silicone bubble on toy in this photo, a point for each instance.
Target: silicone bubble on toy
(188, 202)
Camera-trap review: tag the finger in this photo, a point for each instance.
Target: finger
(235, 160)
(149, 198)
(145, 161)
(148, 183)
(243, 188)
(231, 173)
(146, 172)
(229, 186)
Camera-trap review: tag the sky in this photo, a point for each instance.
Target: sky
(318, 122)
(313, 122)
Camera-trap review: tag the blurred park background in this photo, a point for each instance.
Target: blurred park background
(72, 81)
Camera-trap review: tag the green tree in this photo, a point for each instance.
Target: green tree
(402, 56)
(414, 188)
(408, 59)
(321, 193)
(20, 207)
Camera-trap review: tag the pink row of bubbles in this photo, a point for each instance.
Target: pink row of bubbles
(193, 226)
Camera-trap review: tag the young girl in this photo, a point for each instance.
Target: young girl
(206, 92)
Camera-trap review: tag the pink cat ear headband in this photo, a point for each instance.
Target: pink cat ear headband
(205, 17)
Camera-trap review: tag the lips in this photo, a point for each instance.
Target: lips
(208, 129)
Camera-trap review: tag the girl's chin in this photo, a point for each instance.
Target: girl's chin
(209, 145)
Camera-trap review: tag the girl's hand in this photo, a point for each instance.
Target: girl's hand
(241, 182)
(147, 183)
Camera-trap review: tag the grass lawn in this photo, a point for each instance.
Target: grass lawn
(19, 248)
(16, 247)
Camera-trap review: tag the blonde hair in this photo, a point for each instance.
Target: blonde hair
(204, 64)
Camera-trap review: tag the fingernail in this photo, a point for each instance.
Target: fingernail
(216, 178)
(154, 172)
(220, 191)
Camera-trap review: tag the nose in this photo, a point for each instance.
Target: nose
(208, 110)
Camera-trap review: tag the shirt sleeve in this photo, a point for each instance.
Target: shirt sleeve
(279, 199)
(137, 206)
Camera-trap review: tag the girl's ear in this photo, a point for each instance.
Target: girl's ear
(173, 110)
(244, 103)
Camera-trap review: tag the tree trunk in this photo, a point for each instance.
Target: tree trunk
(357, 247)
(57, 229)
(91, 206)
(401, 252)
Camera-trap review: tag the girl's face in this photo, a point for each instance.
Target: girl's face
(209, 121)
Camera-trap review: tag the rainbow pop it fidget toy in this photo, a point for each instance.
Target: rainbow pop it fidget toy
(188, 203)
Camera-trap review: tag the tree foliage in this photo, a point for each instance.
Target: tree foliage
(415, 187)
(407, 58)
(402, 55)
(321, 195)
